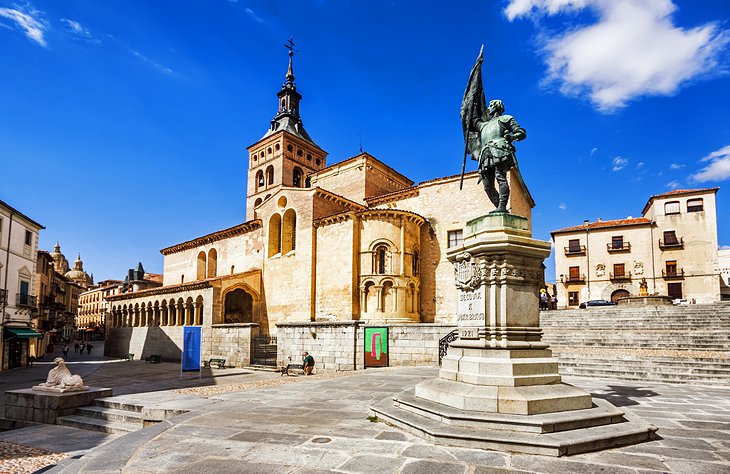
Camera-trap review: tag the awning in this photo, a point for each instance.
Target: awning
(21, 333)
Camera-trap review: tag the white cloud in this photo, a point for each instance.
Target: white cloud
(633, 49)
(725, 247)
(673, 185)
(593, 151)
(676, 166)
(28, 20)
(253, 15)
(562, 206)
(718, 169)
(77, 29)
(639, 165)
(147, 60)
(619, 163)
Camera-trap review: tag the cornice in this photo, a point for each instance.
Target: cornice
(240, 229)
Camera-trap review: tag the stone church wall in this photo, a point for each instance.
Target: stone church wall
(335, 269)
(340, 345)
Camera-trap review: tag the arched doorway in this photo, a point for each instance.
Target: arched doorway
(238, 307)
(619, 294)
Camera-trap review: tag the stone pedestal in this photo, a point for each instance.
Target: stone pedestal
(498, 378)
(45, 407)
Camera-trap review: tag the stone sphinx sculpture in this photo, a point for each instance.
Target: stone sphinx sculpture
(61, 380)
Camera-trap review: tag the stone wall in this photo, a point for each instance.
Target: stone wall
(231, 342)
(339, 345)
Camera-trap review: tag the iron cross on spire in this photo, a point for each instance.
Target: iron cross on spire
(290, 45)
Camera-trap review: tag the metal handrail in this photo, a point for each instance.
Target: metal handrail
(23, 299)
(575, 250)
(676, 244)
(678, 273)
(619, 276)
(625, 247)
(574, 279)
(444, 343)
(3, 296)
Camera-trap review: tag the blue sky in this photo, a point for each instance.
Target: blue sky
(124, 123)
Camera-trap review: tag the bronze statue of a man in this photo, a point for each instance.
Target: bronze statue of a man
(489, 133)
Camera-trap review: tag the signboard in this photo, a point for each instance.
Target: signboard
(192, 339)
(470, 314)
(376, 347)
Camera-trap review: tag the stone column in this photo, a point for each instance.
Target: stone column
(498, 363)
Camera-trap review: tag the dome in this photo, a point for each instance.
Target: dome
(59, 260)
(78, 274)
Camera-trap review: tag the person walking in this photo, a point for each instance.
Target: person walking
(64, 350)
(82, 347)
(76, 346)
(88, 348)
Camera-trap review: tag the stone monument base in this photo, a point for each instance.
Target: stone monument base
(601, 426)
(44, 407)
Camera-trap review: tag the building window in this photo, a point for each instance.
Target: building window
(380, 258)
(670, 237)
(270, 175)
(456, 238)
(674, 290)
(28, 237)
(274, 235)
(617, 242)
(573, 298)
(299, 152)
(260, 183)
(574, 273)
(694, 205)
(671, 267)
(297, 178)
(574, 245)
(289, 148)
(619, 270)
(200, 270)
(289, 231)
(415, 262)
(671, 207)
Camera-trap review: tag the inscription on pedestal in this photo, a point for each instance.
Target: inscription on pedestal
(470, 315)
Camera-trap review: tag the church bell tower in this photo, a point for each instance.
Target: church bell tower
(286, 155)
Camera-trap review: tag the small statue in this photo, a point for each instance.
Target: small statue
(488, 135)
(643, 288)
(60, 379)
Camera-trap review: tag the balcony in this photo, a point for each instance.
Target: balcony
(673, 244)
(575, 250)
(25, 301)
(673, 274)
(620, 276)
(625, 247)
(567, 279)
(3, 296)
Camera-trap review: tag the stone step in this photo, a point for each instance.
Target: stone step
(110, 414)
(114, 403)
(557, 443)
(96, 424)
(686, 364)
(663, 377)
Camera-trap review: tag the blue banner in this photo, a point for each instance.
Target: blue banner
(192, 338)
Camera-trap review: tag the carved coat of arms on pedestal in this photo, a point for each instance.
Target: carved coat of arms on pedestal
(466, 272)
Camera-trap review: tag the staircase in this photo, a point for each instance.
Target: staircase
(108, 416)
(681, 344)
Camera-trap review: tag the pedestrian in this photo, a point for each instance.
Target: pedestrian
(81, 347)
(555, 302)
(64, 349)
(76, 346)
(544, 298)
(307, 363)
(88, 348)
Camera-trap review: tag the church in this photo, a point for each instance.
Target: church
(327, 253)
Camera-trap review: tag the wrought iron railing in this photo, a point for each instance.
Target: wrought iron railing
(575, 250)
(25, 300)
(671, 244)
(676, 273)
(264, 351)
(573, 279)
(620, 276)
(624, 247)
(3, 296)
(444, 343)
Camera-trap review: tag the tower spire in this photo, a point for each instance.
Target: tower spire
(290, 72)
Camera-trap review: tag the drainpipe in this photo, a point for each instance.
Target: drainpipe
(588, 263)
(5, 285)
(653, 266)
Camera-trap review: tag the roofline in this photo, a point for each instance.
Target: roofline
(239, 229)
(569, 230)
(367, 156)
(15, 211)
(685, 192)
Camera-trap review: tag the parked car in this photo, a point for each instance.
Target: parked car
(597, 303)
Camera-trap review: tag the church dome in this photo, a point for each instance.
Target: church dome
(59, 260)
(78, 274)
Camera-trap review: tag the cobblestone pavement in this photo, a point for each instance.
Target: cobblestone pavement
(266, 423)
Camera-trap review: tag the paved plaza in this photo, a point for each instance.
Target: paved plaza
(244, 421)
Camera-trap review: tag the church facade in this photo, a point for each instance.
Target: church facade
(326, 252)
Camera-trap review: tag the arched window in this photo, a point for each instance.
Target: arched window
(258, 201)
(200, 273)
(308, 182)
(289, 231)
(238, 307)
(270, 175)
(297, 178)
(388, 297)
(415, 263)
(260, 183)
(212, 263)
(274, 235)
(379, 259)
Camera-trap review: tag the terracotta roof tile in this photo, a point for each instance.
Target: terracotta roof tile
(684, 191)
(605, 224)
